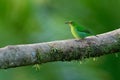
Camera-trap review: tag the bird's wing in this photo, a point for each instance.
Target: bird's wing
(83, 34)
(82, 29)
(87, 31)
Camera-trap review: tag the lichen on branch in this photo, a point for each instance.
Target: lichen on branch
(64, 50)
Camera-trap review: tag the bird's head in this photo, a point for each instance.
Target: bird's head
(70, 23)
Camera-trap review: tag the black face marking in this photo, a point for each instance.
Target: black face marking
(69, 22)
(87, 31)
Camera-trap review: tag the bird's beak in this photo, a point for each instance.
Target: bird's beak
(68, 22)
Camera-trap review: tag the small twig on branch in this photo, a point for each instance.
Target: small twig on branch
(64, 50)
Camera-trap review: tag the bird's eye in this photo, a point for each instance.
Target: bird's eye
(70, 22)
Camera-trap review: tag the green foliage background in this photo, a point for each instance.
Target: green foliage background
(34, 21)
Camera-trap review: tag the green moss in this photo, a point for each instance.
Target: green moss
(92, 50)
(39, 59)
(37, 67)
(55, 53)
(38, 56)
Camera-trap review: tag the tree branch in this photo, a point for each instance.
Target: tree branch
(64, 50)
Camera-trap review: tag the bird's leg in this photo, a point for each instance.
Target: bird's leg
(96, 36)
(79, 39)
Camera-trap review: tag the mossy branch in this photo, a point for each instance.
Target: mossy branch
(64, 50)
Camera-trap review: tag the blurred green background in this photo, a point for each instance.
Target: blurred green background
(34, 21)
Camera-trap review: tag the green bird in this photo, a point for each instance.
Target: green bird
(79, 32)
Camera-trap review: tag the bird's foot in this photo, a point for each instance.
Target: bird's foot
(96, 36)
(79, 39)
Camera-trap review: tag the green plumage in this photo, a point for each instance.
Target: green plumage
(77, 31)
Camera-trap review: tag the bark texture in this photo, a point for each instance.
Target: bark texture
(64, 50)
